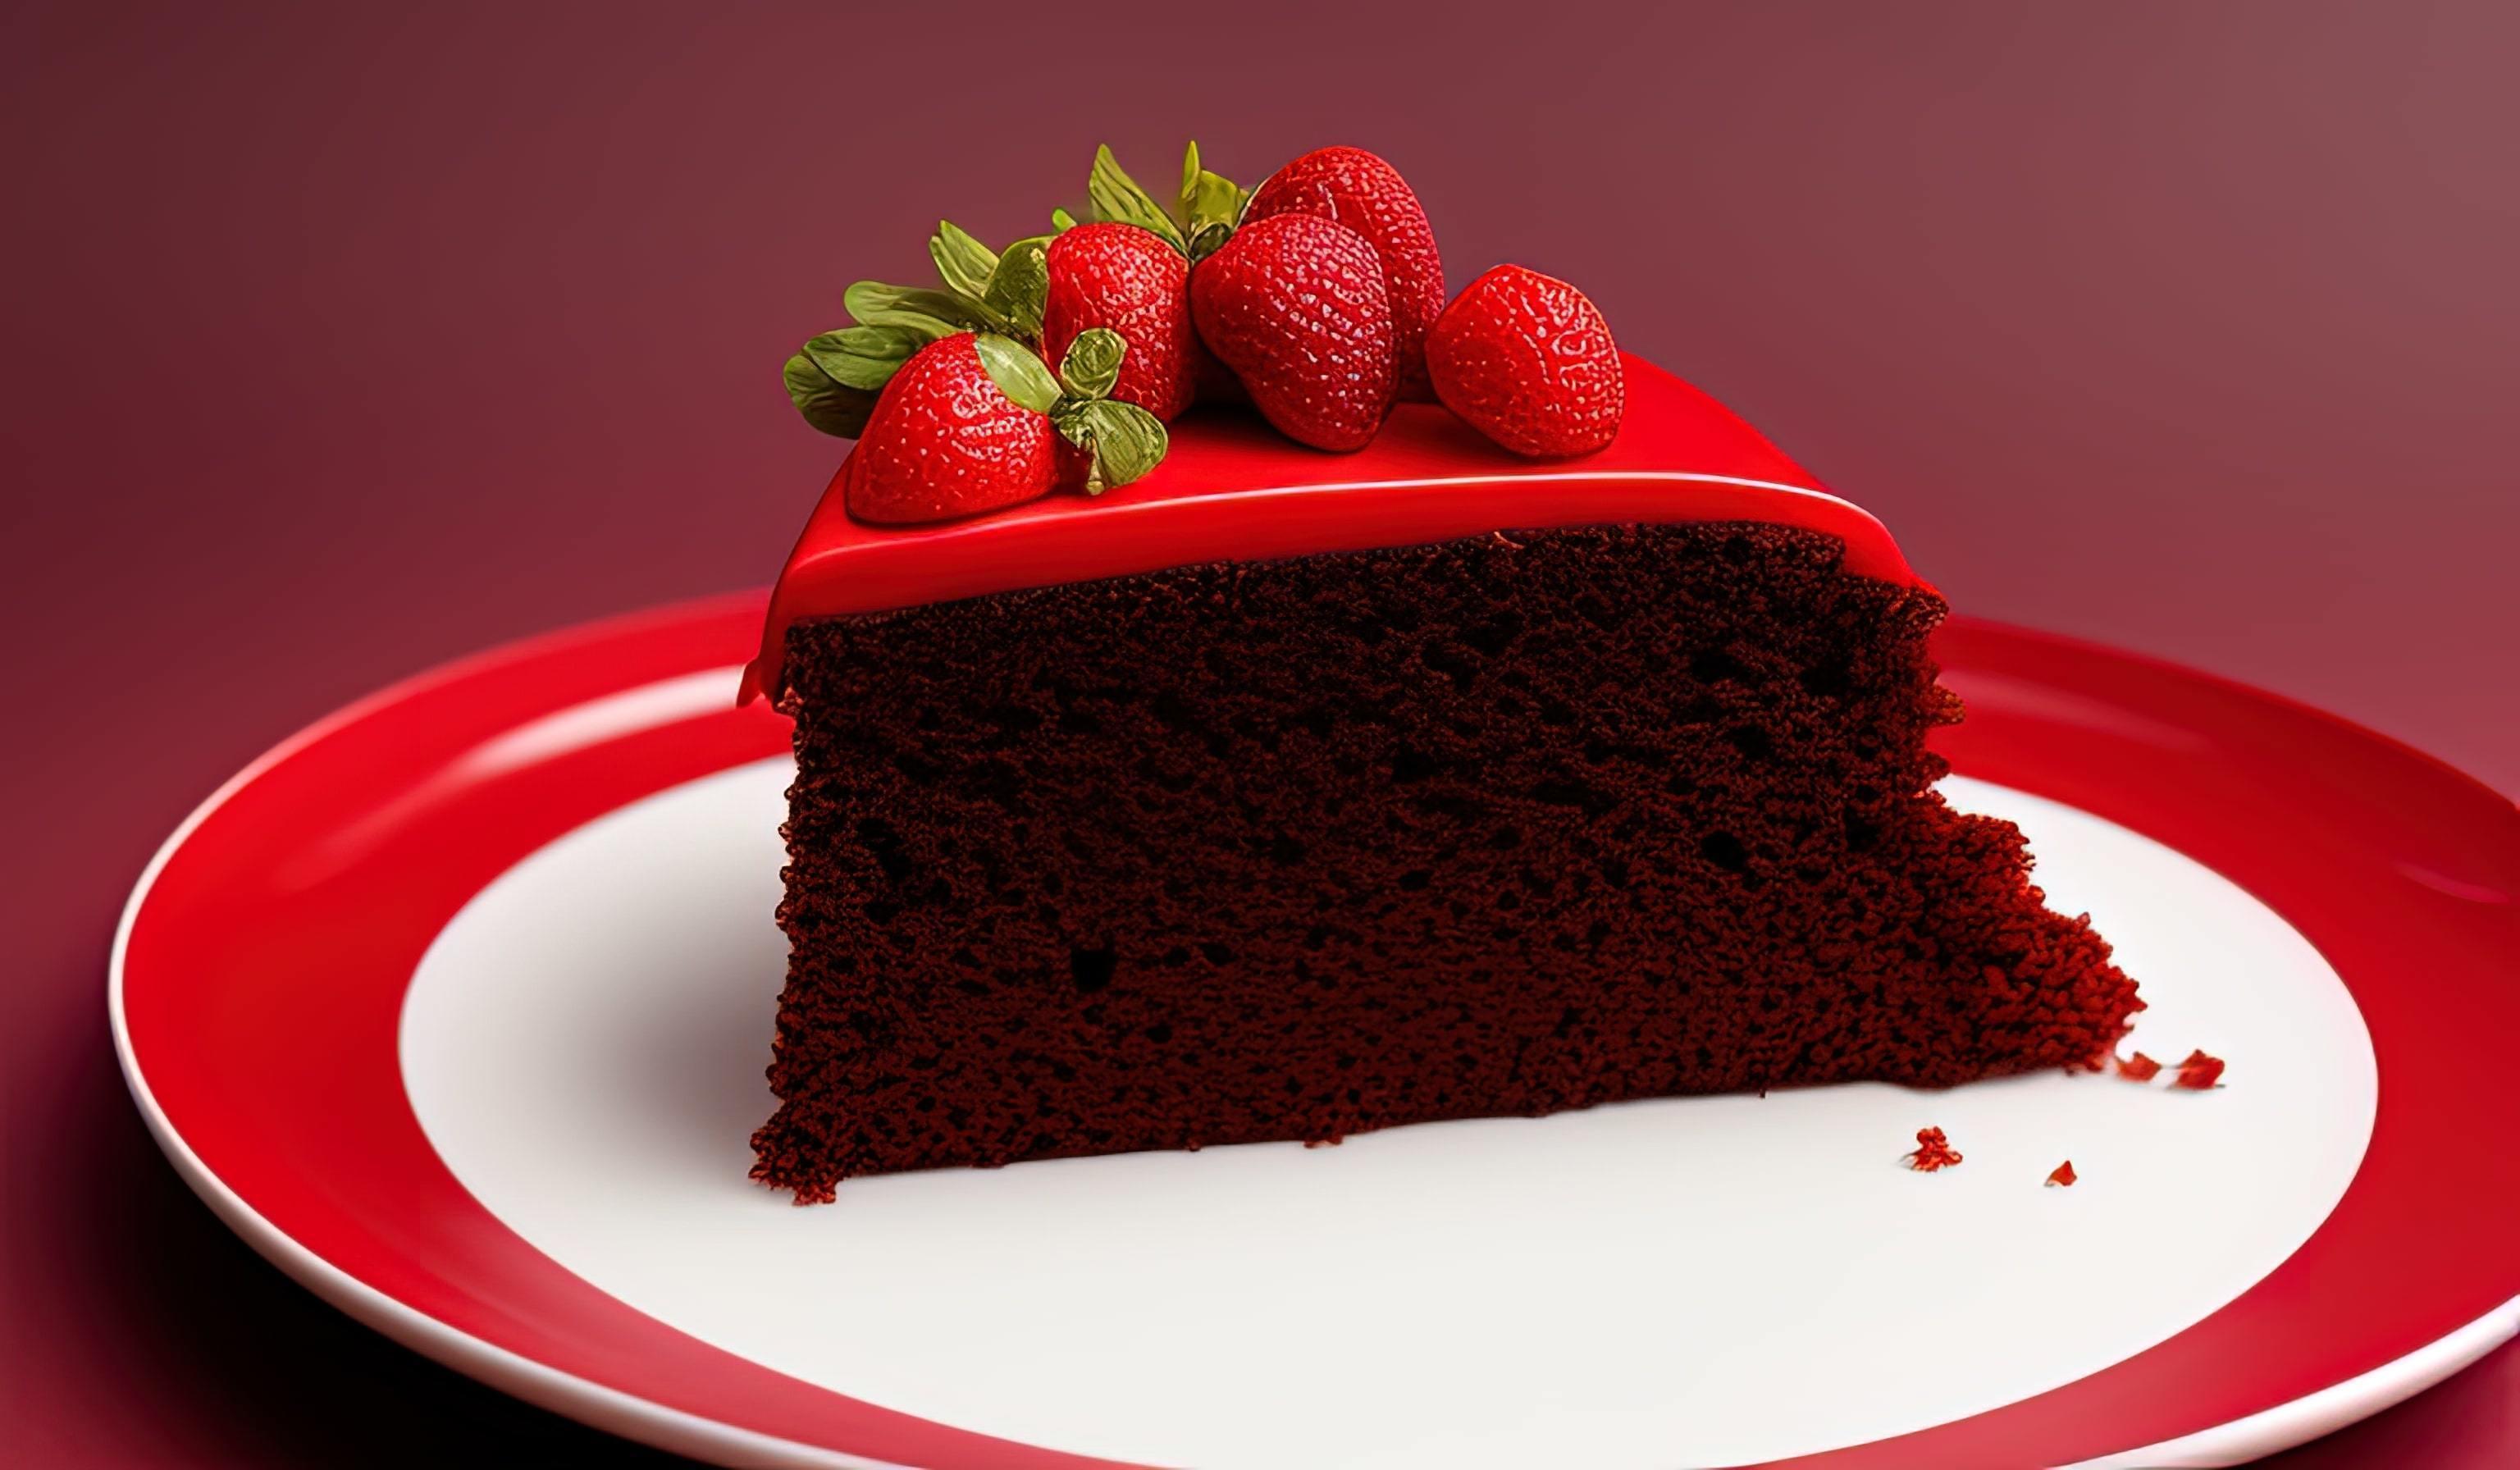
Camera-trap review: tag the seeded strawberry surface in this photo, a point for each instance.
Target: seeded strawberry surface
(1526, 360)
(1298, 308)
(1351, 187)
(1126, 279)
(945, 441)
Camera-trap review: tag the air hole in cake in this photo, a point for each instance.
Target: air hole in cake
(1751, 741)
(1451, 662)
(1092, 969)
(1496, 634)
(1410, 766)
(1724, 851)
(1570, 793)
(1173, 709)
(1827, 681)
(1013, 719)
(1453, 806)
(1714, 666)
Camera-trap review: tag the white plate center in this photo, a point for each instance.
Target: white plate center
(1693, 1281)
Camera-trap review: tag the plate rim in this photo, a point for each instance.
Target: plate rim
(616, 1411)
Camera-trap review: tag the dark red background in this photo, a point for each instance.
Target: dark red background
(345, 339)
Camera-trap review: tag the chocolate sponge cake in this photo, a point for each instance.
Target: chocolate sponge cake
(1284, 796)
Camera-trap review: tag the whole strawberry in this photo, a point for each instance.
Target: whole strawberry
(1133, 282)
(1354, 188)
(1528, 361)
(1296, 307)
(945, 440)
(976, 421)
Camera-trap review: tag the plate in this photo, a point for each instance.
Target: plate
(456, 1005)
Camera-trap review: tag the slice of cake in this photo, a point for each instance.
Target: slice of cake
(1284, 795)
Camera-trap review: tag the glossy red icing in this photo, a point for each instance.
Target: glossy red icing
(1231, 489)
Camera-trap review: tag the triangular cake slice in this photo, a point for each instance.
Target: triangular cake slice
(1284, 795)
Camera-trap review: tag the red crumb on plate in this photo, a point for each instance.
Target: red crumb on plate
(2062, 1173)
(1933, 1151)
(2137, 1068)
(2199, 1072)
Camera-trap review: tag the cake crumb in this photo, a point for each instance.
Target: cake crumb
(1933, 1151)
(2137, 1068)
(2199, 1072)
(2062, 1173)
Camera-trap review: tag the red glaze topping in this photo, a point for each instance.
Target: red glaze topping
(1232, 490)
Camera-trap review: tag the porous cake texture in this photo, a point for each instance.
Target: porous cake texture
(1296, 849)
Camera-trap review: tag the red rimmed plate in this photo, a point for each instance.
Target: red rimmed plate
(455, 1005)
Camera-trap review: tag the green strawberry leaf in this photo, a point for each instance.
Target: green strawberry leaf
(1208, 240)
(937, 313)
(1061, 221)
(1019, 287)
(1121, 440)
(1208, 200)
(1116, 197)
(828, 406)
(1018, 373)
(1093, 363)
(963, 262)
(864, 357)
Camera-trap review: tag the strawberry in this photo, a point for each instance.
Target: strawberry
(1528, 361)
(1351, 187)
(1129, 280)
(975, 421)
(1296, 307)
(947, 395)
(946, 440)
